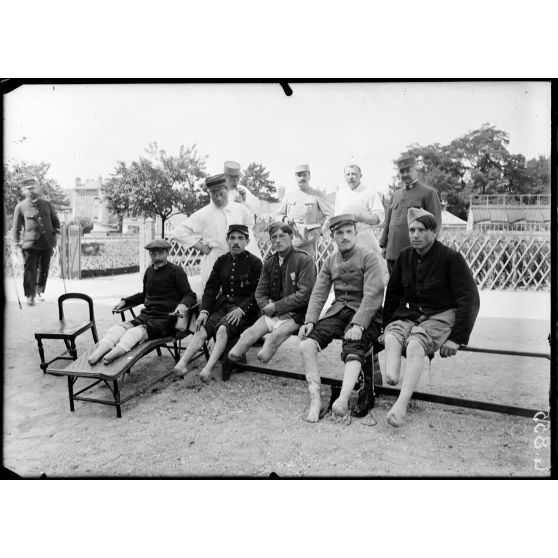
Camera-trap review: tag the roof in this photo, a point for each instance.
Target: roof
(88, 185)
(511, 215)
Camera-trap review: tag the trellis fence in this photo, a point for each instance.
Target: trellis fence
(511, 262)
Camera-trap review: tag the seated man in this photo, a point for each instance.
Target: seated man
(431, 303)
(166, 294)
(357, 278)
(228, 305)
(282, 294)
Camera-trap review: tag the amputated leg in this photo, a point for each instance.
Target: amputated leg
(248, 338)
(194, 346)
(221, 339)
(275, 339)
(413, 370)
(393, 359)
(127, 342)
(109, 340)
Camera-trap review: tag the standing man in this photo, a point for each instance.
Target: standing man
(357, 279)
(414, 194)
(41, 229)
(228, 304)
(237, 193)
(286, 282)
(306, 210)
(431, 303)
(206, 229)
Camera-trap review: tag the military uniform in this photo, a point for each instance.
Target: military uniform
(231, 285)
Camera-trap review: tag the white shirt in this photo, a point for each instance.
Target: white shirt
(251, 201)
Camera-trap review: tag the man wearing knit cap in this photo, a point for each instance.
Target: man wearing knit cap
(206, 229)
(166, 296)
(228, 305)
(395, 236)
(306, 210)
(356, 276)
(286, 282)
(237, 193)
(431, 303)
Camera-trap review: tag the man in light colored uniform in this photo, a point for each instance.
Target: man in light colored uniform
(306, 210)
(237, 193)
(206, 229)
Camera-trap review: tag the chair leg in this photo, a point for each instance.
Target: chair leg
(71, 392)
(116, 393)
(73, 350)
(94, 332)
(205, 351)
(43, 364)
(158, 349)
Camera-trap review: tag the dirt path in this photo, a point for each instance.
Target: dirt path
(252, 425)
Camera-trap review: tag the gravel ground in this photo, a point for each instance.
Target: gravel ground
(253, 425)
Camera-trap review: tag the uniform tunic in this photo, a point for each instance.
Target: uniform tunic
(308, 211)
(361, 200)
(210, 225)
(430, 284)
(357, 279)
(163, 289)
(288, 285)
(395, 236)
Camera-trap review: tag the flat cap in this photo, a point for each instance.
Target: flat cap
(158, 244)
(29, 182)
(214, 182)
(302, 168)
(238, 228)
(232, 168)
(415, 213)
(404, 162)
(285, 227)
(339, 220)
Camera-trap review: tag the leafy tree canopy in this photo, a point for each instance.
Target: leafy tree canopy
(158, 184)
(16, 173)
(256, 179)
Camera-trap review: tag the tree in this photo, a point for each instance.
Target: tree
(85, 223)
(158, 184)
(17, 172)
(256, 179)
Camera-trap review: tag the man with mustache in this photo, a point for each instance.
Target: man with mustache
(238, 193)
(356, 276)
(228, 305)
(306, 210)
(432, 302)
(287, 278)
(395, 235)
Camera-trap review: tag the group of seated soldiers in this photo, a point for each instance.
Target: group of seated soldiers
(430, 304)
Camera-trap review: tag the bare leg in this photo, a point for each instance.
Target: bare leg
(393, 359)
(275, 339)
(309, 352)
(221, 339)
(413, 370)
(195, 344)
(341, 405)
(248, 338)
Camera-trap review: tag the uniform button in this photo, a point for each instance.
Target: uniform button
(345, 284)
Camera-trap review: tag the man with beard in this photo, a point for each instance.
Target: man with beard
(357, 279)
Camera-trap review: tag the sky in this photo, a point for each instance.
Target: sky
(84, 130)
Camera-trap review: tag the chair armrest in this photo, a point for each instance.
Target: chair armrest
(124, 309)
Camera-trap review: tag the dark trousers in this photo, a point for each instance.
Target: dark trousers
(35, 270)
(390, 264)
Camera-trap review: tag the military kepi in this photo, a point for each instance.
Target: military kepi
(302, 168)
(158, 244)
(238, 228)
(404, 162)
(415, 213)
(232, 168)
(340, 220)
(214, 182)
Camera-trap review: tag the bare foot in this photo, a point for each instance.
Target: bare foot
(317, 410)
(180, 371)
(396, 415)
(340, 408)
(392, 380)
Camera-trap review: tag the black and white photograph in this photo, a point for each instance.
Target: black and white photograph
(327, 279)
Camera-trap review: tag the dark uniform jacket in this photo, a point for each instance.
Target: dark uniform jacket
(430, 284)
(395, 236)
(233, 281)
(288, 285)
(357, 279)
(163, 290)
(39, 223)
